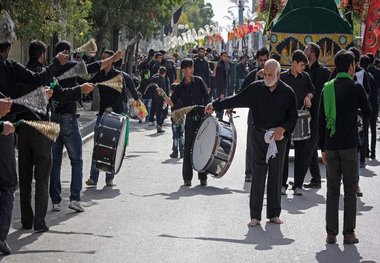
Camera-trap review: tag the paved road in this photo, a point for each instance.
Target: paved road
(149, 217)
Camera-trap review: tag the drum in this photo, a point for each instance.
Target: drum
(214, 147)
(109, 147)
(302, 130)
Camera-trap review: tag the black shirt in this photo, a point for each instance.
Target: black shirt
(349, 96)
(301, 85)
(70, 107)
(202, 69)
(319, 75)
(12, 72)
(250, 78)
(270, 109)
(241, 73)
(192, 93)
(109, 97)
(374, 98)
(161, 82)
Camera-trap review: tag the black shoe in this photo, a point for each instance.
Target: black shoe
(4, 248)
(41, 228)
(187, 183)
(160, 131)
(330, 239)
(312, 185)
(248, 179)
(174, 155)
(181, 155)
(373, 157)
(203, 182)
(27, 226)
(362, 164)
(350, 239)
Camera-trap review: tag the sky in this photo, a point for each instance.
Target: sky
(220, 8)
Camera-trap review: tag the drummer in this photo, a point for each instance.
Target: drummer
(301, 83)
(109, 99)
(190, 91)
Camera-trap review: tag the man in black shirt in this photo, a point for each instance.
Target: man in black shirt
(11, 73)
(160, 80)
(112, 99)
(201, 66)
(273, 104)
(262, 56)
(319, 75)
(190, 91)
(338, 139)
(300, 81)
(64, 113)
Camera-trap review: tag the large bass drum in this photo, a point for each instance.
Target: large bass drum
(214, 147)
(109, 147)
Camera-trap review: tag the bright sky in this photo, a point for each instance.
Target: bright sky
(220, 8)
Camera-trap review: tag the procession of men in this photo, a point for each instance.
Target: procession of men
(333, 101)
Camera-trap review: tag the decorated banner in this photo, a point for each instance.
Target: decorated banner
(284, 44)
(371, 38)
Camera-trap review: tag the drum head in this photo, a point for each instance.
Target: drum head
(120, 150)
(204, 143)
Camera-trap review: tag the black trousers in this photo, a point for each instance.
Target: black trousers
(274, 168)
(34, 161)
(311, 154)
(187, 170)
(341, 165)
(160, 113)
(364, 144)
(248, 151)
(8, 182)
(372, 124)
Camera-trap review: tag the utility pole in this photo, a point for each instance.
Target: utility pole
(241, 9)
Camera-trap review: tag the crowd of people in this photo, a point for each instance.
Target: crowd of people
(336, 101)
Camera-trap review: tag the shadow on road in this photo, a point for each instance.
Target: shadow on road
(333, 253)
(185, 191)
(264, 239)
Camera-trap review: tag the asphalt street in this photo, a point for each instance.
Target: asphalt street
(149, 217)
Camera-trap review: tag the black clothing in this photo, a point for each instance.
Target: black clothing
(241, 73)
(374, 98)
(128, 83)
(170, 70)
(187, 94)
(349, 96)
(109, 97)
(223, 78)
(65, 106)
(270, 109)
(158, 100)
(147, 92)
(251, 77)
(202, 69)
(301, 85)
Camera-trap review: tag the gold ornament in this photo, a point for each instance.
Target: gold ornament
(115, 83)
(179, 115)
(88, 47)
(49, 129)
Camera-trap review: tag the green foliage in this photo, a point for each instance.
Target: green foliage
(43, 18)
(198, 13)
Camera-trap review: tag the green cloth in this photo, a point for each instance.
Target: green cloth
(126, 142)
(329, 102)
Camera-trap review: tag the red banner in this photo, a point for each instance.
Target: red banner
(371, 38)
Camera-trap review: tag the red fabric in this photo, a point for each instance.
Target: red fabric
(371, 38)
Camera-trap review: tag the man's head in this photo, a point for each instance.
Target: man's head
(299, 61)
(201, 52)
(371, 58)
(345, 62)
(364, 61)
(262, 56)
(158, 57)
(224, 56)
(356, 53)
(272, 71)
(37, 51)
(312, 51)
(162, 71)
(187, 66)
(62, 46)
(164, 54)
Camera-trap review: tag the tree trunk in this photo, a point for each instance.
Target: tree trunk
(102, 24)
(129, 57)
(115, 38)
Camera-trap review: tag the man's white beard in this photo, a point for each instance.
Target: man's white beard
(271, 83)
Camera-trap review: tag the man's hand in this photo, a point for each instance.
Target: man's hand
(138, 103)
(7, 128)
(5, 106)
(209, 108)
(117, 56)
(86, 88)
(260, 74)
(324, 158)
(307, 101)
(278, 133)
(62, 57)
(49, 92)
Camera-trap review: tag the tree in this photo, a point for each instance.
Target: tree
(41, 19)
(198, 13)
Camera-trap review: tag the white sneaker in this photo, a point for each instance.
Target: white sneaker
(283, 190)
(57, 207)
(151, 123)
(76, 205)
